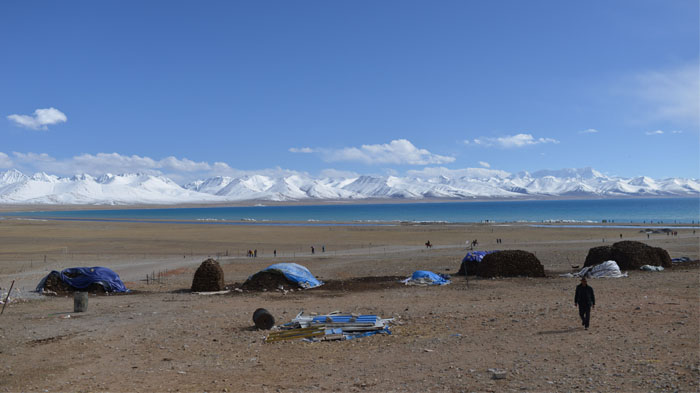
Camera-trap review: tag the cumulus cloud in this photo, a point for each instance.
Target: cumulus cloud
(485, 164)
(657, 132)
(41, 119)
(589, 131)
(512, 141)
(398, 152)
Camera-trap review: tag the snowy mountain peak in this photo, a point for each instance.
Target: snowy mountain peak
(142, 188)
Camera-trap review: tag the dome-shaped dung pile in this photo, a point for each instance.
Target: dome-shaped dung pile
(629, 255)
(510, 263)
(209, 277)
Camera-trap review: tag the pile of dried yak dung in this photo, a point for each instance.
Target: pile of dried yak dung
(54, 283)
(629, 255)
(209, 277)
(268, 280)
(510, 263)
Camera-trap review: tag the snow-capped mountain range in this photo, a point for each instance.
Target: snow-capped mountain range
(136, 188)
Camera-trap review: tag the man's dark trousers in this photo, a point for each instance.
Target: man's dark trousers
(584, 310)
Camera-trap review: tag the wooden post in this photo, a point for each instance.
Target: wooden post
(7, 297)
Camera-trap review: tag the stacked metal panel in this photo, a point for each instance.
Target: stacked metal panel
(334, 326)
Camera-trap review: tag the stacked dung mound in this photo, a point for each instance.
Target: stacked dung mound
(597, 255)
(471, 262)
(268, 281)
(96, 279)
(510, 263)
(282, 276)
(629, 255)
(209, 277)
(54, 283)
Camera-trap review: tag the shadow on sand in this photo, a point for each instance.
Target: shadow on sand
(568, 330)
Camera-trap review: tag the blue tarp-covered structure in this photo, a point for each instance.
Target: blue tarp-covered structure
(83, 278)
(425, 277)
(294, 273)
(475, 256)
(470, 261)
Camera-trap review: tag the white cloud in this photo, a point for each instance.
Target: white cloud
(657, 132)
(334, 173)
(472, 173)
(589, 131)
(301, 150)
(672, 94)
(676, 132)
(5, 161)
(41, 119)
(399, 152)
(485, 164)
(513, 141)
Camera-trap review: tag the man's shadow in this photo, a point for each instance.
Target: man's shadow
(562, 331)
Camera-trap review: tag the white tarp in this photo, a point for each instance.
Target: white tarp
(605, 269)
(650, 268)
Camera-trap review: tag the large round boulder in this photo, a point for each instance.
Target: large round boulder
(629, 255)
(209, 277)
(510, 263)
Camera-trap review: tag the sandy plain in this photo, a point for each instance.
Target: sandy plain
(644, 336)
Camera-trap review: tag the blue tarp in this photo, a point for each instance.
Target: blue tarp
(295, 273)
(83, 277)
(427, 277)
(475, 256)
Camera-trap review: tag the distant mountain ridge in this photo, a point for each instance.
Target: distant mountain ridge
(139, 188)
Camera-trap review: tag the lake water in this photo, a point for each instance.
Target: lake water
(621, 211)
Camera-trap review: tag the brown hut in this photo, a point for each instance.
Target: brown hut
(629, 255)
(510, 263)
(209, 277)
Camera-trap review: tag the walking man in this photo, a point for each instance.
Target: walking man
(585, 300)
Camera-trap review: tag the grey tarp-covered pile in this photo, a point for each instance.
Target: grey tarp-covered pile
(607, 269)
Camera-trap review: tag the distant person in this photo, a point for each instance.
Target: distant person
(323, 248)
(275, 252)
(585, 300)
(255, 253)
(312, 249)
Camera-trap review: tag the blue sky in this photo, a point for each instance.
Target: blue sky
(194, 89)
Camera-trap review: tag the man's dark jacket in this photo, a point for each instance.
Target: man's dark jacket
(584, 296)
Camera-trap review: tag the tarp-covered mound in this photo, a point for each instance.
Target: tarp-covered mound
(629, 255)
(74, 279)
(603, 270)
(510, 263)
(282, 275)
(209, 277)
(425, 277)
(471, 261)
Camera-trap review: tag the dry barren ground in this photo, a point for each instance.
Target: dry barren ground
(644, 334)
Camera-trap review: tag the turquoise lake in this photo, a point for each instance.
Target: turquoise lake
(622, 211)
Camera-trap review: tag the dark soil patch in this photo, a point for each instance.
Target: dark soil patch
(360, 284)
(209, 277)
(510, 263)
(269, 281)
